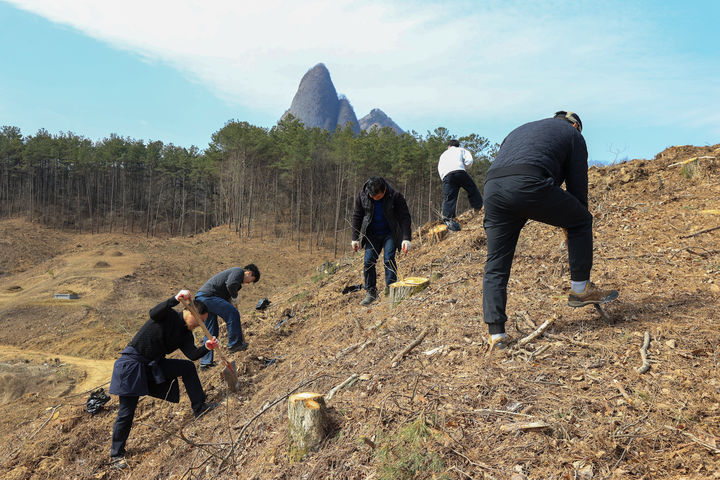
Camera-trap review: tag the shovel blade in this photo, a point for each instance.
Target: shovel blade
(229, 374)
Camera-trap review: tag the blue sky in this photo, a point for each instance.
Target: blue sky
(643, 75)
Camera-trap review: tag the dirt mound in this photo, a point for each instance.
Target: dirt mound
(25, 245)
(569, 404)
(51, 378)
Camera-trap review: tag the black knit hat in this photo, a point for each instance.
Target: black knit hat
(571, 117)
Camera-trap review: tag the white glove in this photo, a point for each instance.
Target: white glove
(183, 295)
(355, 245)
(406, 246)
(234, 301)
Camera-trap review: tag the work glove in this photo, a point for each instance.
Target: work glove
(212, 344)
(406, 246)
(183, 295)
(355, 245)
(234, 301)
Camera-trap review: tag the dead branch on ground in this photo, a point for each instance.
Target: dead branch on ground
(339, 386)
(700, 232)
(644, 354)
(694, 439)
(349, 349)
(539, 331)
(396, 359)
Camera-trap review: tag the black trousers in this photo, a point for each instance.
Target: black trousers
(172, 368)
(451, 184)
(509, 203)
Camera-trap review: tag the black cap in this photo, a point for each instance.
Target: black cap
(571, 117)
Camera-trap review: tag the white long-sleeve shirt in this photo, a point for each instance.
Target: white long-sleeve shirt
(454, 158)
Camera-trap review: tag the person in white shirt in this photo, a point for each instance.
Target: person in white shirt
(451, 167)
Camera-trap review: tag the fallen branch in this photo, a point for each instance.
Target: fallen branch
(407, 349)
(644, 354)
(700, 232)
(538, 351)
(704, 254)
(514, 427)
(52, 414)
(539, 331)
(339, 386)
(349, 349)
(693, 159)
(695, 439)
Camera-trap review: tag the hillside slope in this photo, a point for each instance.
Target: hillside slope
(449, 409)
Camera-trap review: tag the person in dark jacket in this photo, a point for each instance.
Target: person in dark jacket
(381, 221)
(524, 183)
(142, 368)
(219, 294)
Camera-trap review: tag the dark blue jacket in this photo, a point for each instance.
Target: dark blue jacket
(553, 146)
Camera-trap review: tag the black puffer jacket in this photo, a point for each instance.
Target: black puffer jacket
(553, 145)
(396, 212)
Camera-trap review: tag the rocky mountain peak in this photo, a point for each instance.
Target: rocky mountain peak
(378, 119)
(316, 102)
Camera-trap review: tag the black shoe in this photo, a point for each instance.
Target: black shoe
(238, 347)
(207, 366)
(118, 463)
(452, 225)
(205, 408)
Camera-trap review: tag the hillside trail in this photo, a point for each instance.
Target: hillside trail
(89, 373)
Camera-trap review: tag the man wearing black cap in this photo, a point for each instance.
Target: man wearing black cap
(524, 183)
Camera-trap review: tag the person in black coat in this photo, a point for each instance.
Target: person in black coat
(381, 221)
(142, 368)
(524, 182)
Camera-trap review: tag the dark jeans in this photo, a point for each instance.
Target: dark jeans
(509, 203)
(218, 307)
(372, 252)
(451, 187)
(172, 368)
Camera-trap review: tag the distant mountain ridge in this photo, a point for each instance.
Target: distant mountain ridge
(317, 104)
(378, 119)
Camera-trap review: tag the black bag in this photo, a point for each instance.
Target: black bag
(97, 399)
(262, 304)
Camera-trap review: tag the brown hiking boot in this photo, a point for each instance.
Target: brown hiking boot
(592, 294)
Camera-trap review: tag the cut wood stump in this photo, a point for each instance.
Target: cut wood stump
(308, 423)
(438, 233)
(403, 289)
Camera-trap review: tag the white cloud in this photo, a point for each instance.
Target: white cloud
(412, 59)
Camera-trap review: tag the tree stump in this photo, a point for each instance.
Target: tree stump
(403, 289)
(308, 423)
(437, 233)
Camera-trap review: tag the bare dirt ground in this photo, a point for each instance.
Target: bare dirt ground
(570, 404)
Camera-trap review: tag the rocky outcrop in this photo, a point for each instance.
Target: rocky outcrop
(346, 115)
(377, 119)
(316, 102)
